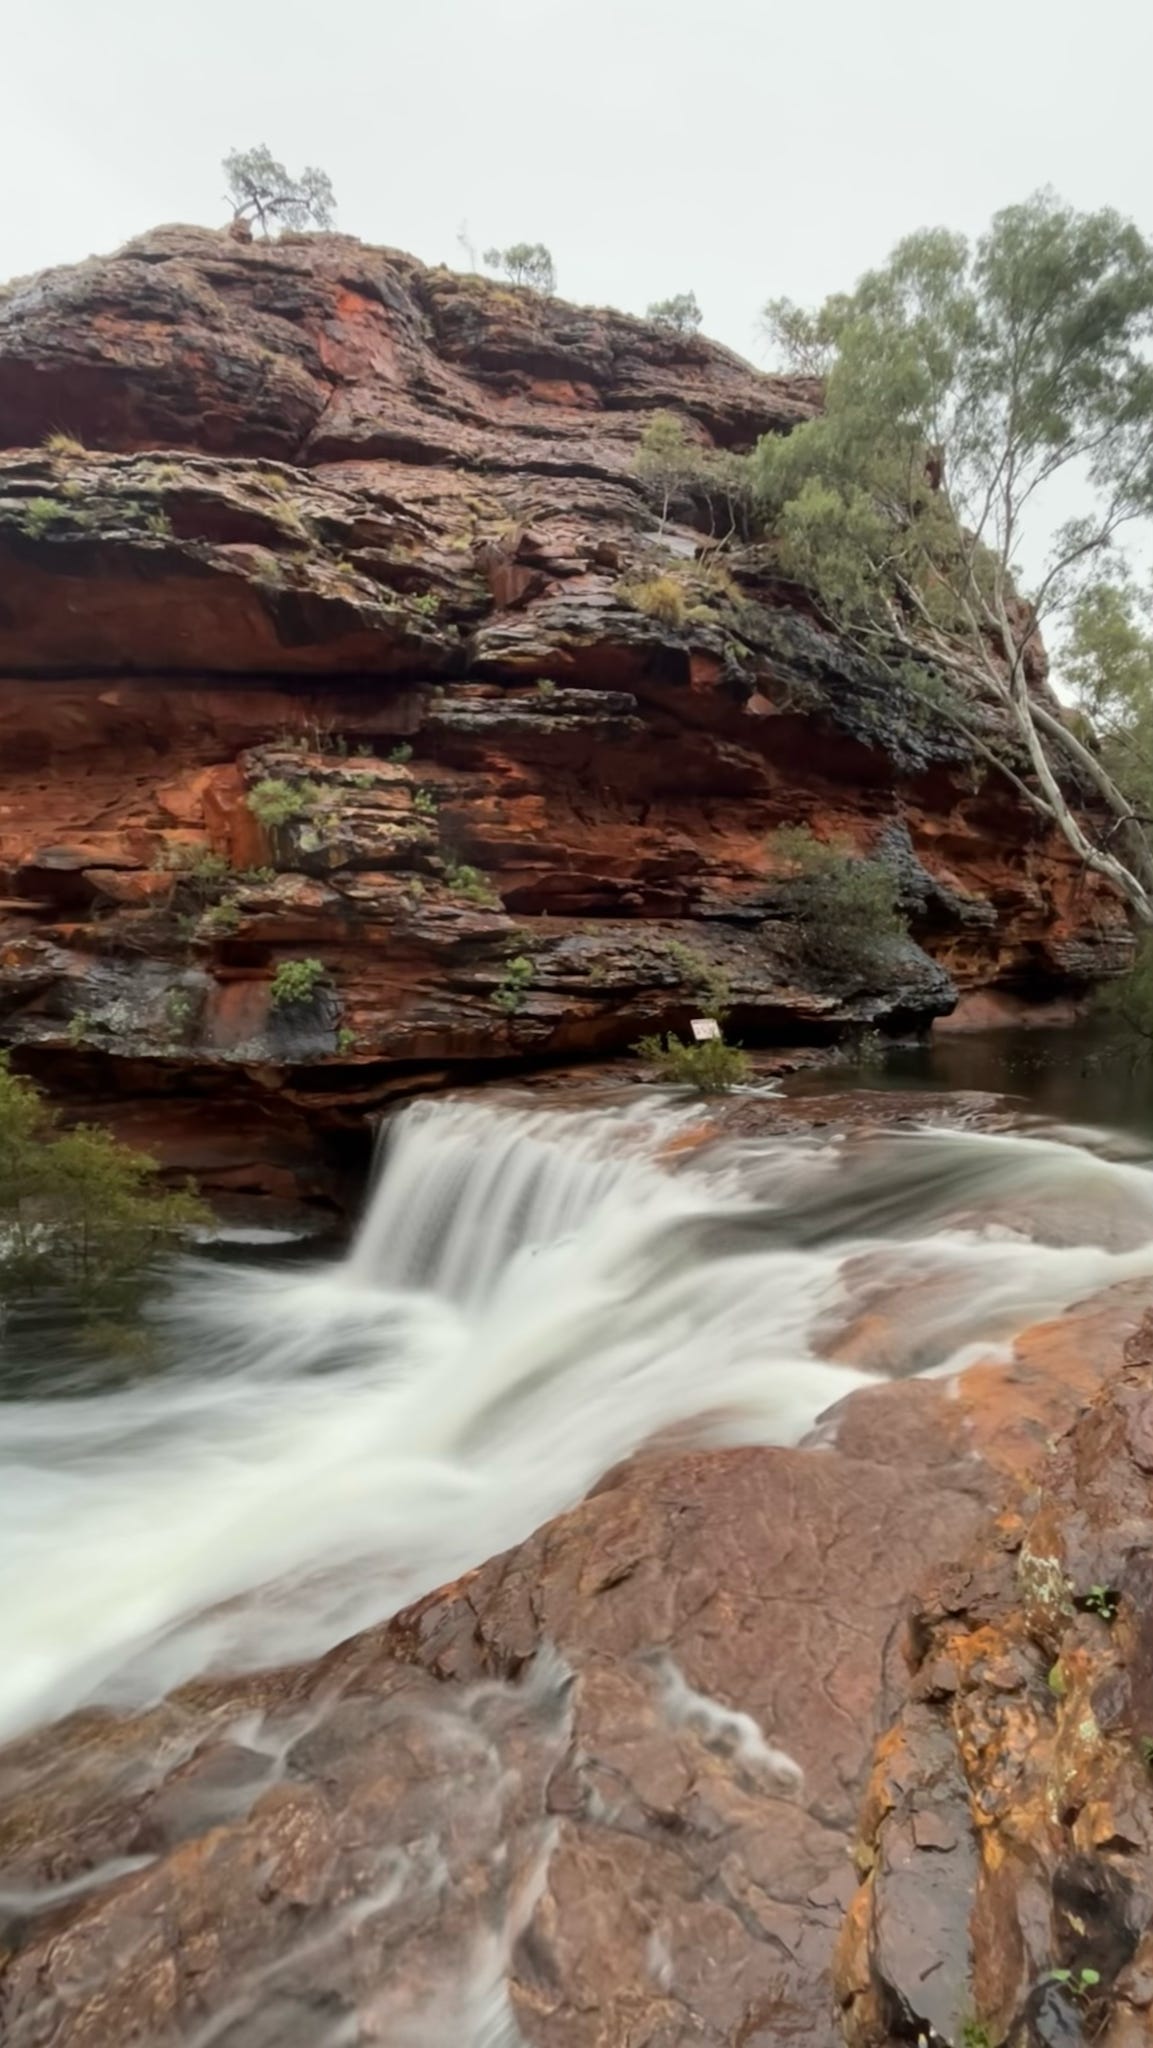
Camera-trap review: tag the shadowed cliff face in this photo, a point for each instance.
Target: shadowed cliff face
(316, 515)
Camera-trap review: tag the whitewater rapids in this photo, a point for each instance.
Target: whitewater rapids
(530, 1297)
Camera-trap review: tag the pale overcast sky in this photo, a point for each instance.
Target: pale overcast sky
(739, 148)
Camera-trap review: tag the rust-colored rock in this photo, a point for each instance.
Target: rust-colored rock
(310, 512)
(1008, 1830)
(684, 1875)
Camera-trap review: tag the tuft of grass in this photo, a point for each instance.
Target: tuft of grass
(275, 803)
(659, 597)
(220, 920)
(470, 883)
(62, 444)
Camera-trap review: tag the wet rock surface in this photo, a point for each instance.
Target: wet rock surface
(608, 1784)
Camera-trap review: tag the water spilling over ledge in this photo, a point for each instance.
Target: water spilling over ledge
(578, 1758)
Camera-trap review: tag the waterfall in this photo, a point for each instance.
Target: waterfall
(530, 1297)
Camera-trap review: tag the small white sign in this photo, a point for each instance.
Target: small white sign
(703, 1028)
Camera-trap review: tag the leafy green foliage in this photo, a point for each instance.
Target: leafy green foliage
(296, 983)
(708, 983)
(961, 382)
(846, 907)
(712, 1067)
(512, 990)
(527, 263)
(1081, 1983)
(200, 875)
(78, 1210)
(275, 803)
(40, 516)
(681, 312)
(470, 883)
(401, 753)
(804, 340)
(1101, 1600)
(260, 189)
(220, 920)
(1107, 659)
(677, 467)
(179, 1012)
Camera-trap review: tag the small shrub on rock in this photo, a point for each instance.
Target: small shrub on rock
(511, 991)
(275, 803)
(712, 1067)
(78, 1210)
(845, 905)
(296, 982)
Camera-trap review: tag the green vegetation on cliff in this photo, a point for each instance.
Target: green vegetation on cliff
(78, 1211)
(961, 383)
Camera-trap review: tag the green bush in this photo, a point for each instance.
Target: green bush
(220, 920)
(712, 1067)
(296, 982)
(201, 876)
(681, 313)
(41, 515)
(77, 1210)
(709, 984)
(845, 905)
(511, 991)
(274, 802)
(471, 884)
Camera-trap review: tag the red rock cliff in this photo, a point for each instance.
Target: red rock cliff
(310, 513)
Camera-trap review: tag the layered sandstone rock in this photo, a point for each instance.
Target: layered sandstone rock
(309, 512)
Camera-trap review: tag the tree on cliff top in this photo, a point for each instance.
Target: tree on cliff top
(961, 383)
(528, 263)
(260, 189)
(681, 312)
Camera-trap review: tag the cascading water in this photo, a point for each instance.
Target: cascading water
(531, 1296)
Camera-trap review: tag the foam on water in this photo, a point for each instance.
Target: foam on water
(530, 1297)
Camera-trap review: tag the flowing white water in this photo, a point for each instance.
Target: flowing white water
(531, 1296)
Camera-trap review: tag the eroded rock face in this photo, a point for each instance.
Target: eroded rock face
(1008, 1829)
(312, 514)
